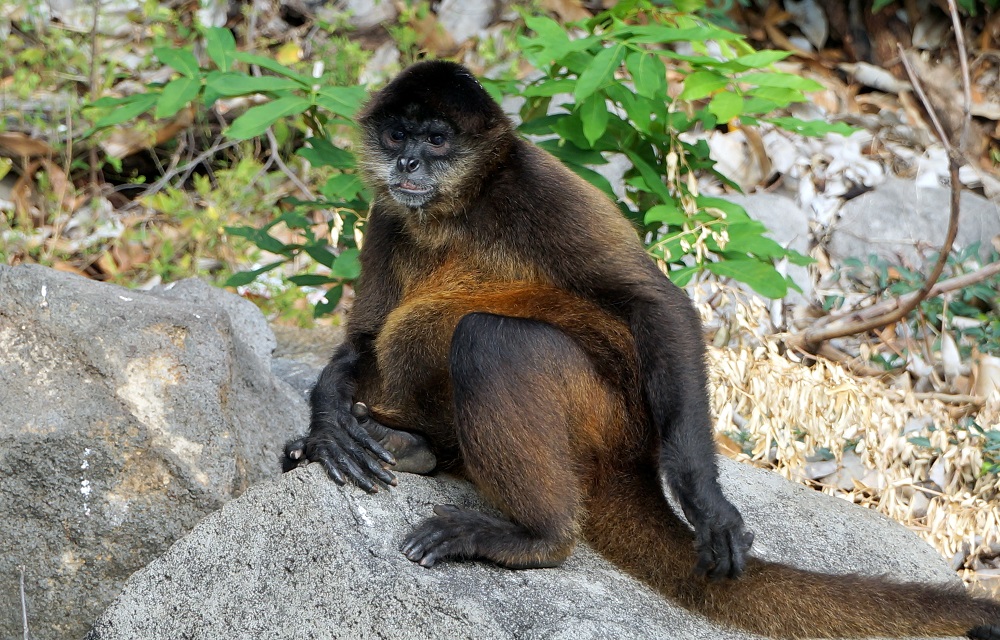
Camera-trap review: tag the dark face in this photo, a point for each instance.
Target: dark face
(418, 154)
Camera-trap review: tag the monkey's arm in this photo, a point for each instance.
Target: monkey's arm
(337, 437)
(341, 436)
(672, 361)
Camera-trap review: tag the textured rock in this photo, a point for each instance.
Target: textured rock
(126, 417)
(902, 220)
(303, 558)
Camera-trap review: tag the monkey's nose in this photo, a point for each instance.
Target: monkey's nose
(409, 165)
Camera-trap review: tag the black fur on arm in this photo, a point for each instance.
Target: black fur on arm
(671, 355)
(337, 439)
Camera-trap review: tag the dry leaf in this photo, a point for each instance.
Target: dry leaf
(17, 145)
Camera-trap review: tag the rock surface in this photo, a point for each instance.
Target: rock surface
(902, 220)
(303, 558)
(126, 417)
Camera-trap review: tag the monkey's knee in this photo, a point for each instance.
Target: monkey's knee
(412, 451)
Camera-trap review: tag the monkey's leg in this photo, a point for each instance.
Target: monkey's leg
(517, 384)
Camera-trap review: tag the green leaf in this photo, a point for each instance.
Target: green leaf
(548, 87)
(920, 441)
(759, 59)
(221, 47)
(780, 96)
(650, 176)
(600, 71)
(660, 34)
(347, 265)
(181, 60)
(648, 73)
(310, 280)
(667, 213)
(320, 254)
(257, 119)
(702, 83)
(273, 65)
(176, 95)
(246, 277)
(813, 127)
(342, 186)
(550, 42)
(761, 276)
(681, 277)
(238, 84)
(322, 153)
(135, 105)
(569, 152)
(332, 298)
(726, 105)
(594, 115)
(782, 80)
(593, 178)
(343, 101)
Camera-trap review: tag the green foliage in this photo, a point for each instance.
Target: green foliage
(612, 87)
(616, 76)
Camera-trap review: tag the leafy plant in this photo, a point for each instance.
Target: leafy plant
(611, 84)
(319, 103)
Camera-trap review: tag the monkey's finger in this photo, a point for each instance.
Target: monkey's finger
(332, 471)
(358, 433)
(354, 472)
(379, 472)
(420, 540)
(294, 452)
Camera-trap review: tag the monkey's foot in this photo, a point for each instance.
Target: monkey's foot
(412, 452)
(465, 534)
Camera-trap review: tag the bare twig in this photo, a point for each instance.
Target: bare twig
(963, 62)
(276, 155)
(811, 340)
(944, 286)
(93, 89)
(186, 169)
(24, 608)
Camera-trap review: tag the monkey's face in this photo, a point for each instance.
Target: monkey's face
(414, 158)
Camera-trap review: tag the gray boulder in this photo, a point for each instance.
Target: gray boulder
(899, 220)
(301, 557)
(125, 417)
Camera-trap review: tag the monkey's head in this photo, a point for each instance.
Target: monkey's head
(430, 135)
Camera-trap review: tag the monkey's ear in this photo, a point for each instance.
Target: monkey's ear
(436, 89)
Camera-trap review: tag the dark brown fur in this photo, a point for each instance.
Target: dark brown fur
(517, 323)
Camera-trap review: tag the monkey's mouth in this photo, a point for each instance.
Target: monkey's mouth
(412, 188)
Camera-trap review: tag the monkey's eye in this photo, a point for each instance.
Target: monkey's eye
(436, 139)
(397, 135)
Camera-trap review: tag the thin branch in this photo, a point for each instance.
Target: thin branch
(944, 286)
(963, 62)
(186, 168)
(93, 90)
(276, 155)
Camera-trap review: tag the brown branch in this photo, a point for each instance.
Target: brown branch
(812, 339)
(943, 286)
(94, 91)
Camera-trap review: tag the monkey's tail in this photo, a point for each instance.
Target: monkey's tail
(634, 526)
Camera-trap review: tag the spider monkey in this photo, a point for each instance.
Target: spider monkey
(508, 324)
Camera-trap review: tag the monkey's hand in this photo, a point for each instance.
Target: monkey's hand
(721, 539)
(346, 447)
